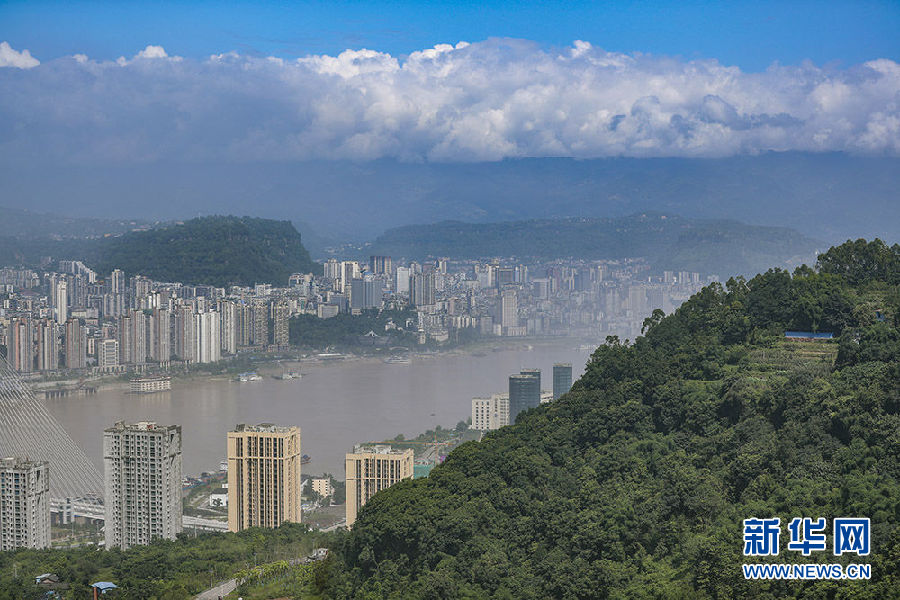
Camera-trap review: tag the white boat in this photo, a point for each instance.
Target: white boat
(397, 360)
(247, 377)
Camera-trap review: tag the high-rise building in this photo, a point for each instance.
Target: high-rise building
(524, 393)
(161, 335)
(259, 323)
(263, 476)
(332, 269)
(509, 309)
(380, 265)
(207, 345)
(142, 464)
(108, 354)
(117, 282)
(370, 469)
(61, 301)
(229, 326)
(490, 413)
(281, 314)
(24, 504)
(349, 272)
(401, 280)
(185, 336)
(365, 293)
(421, 289)
(21, 345)
(47, 346)
(76, 344)
(562, 379)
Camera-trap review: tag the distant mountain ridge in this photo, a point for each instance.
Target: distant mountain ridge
(218, 250)
(20, 223)
(667, 241)
(828, 196)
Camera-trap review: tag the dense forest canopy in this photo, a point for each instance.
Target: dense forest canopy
(635, 484)
(216, 251)
(667, 241)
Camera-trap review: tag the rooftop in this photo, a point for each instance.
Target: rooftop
(140, 426)
(264, 428)
(377, 449)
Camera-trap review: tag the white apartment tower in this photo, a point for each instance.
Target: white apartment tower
(142, 464)
(490, 413)
(61, 301)
(24, 504)
(207, 344)
(108, 354)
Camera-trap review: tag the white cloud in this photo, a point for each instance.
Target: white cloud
(10, 58)
(470, 102)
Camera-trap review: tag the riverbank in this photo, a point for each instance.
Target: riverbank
(273, 365)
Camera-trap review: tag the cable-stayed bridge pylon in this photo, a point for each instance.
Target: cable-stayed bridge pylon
(28, 430)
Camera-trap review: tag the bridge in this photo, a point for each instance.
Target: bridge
(90, 508)
(28, 430)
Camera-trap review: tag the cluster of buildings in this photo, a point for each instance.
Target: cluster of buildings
(499, 410)
(72, 318)
(507, 297)
(142, 498)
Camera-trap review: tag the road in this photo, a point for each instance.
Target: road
(221, 590)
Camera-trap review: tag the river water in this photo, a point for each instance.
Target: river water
(336, 404)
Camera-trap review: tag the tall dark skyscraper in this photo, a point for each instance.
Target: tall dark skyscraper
(562, 379)
(524, 392)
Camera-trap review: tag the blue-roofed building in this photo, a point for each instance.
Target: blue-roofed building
(808, 335)
(103, 587)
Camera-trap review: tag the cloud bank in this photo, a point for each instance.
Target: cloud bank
(470, 102)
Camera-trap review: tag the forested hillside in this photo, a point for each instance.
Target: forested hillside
(667, 241)
(635, 484)
(209, 250)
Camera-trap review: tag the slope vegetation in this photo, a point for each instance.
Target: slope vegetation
(635, 484)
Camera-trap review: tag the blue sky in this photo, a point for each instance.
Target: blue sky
(751, 35)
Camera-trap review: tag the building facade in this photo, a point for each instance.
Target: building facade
(370, 469)
(24, 504)
(263, 476)
(524, 392)
(490, 413)
(322, 485)
(142, 464)
(562, 379)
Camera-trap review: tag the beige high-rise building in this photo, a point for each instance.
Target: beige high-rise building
(263, 476)
(370, 469)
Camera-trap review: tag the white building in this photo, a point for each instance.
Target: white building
(24, 504)
(61, 301)
(509, 309)
(142, 463)
(108, 355)
(401, 280)
(208, 348)
(490, 413)
(219, 498)
(322, 486)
